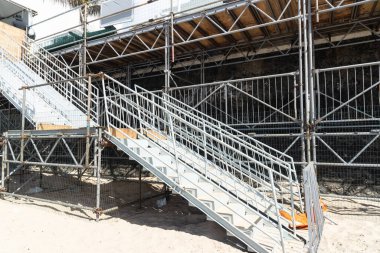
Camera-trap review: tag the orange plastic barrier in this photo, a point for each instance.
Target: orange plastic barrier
(301, 218)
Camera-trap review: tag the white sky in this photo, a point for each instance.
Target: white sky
(47, 9)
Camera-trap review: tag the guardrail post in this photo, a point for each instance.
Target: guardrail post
(105, 103)
(172, 133)
(205, 145)
(23, 111)
(3, 161)
(277, 209)
(88, 124)
(98, 159)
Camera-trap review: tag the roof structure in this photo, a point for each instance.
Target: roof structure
(232, 31)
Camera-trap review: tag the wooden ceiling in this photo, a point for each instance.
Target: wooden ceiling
(250, 25)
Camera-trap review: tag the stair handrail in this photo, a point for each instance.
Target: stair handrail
(225, 128)
(217, 200)
(292, 182)
(125, 104)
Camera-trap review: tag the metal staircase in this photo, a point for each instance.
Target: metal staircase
(60, 103)
(241, 184)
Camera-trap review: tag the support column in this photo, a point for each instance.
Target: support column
(83, 54)
(311, 82)
(203, 68)
(98, 159)
(22, 141)
(301, 83)
(167, 57)
(88, 123)
(140, 188)
(3, 162)
(128, 76)
(307, 79)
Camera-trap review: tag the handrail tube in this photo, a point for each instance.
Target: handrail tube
(215, 139)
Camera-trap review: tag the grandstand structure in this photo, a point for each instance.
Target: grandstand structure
(225, 102)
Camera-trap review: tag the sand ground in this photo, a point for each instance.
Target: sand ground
(357, 227)
(37, 227)
(351, 235)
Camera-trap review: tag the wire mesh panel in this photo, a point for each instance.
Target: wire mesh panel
(55, 166)
(346, 136)
(247, 104)
(348, 93)
(347, 115)
(267, 108)
(10, 119)
(59, 185)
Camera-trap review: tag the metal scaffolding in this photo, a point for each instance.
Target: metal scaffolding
(325, 116)
(308, 113)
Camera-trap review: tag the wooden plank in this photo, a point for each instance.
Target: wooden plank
(44, 126)
(123, 133)
(154, 135)
(18, 37)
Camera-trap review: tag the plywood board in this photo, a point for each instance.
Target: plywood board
(123, 133)
(11, 38)
(154, 135)
(43, 126)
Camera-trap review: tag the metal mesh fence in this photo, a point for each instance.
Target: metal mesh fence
(59, 180)
(344, 124)
(62, 186)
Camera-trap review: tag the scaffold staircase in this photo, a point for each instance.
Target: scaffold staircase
(241, 184)
(60, 104)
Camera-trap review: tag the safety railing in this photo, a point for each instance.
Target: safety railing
(123, 114)
(155, 117)
(347, 93)
(274, 153)
(250, 103)
(128, 111)
(285, 174)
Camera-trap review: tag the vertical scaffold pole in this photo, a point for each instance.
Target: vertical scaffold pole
(311, 81)
(3, 162)
(167, 57)
(300, 84)
(98, 157)
(83, 56)
(88, 123)
(306, 83)
(23, 112)
(140, 188)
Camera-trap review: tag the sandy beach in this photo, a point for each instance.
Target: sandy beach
(37, 227)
